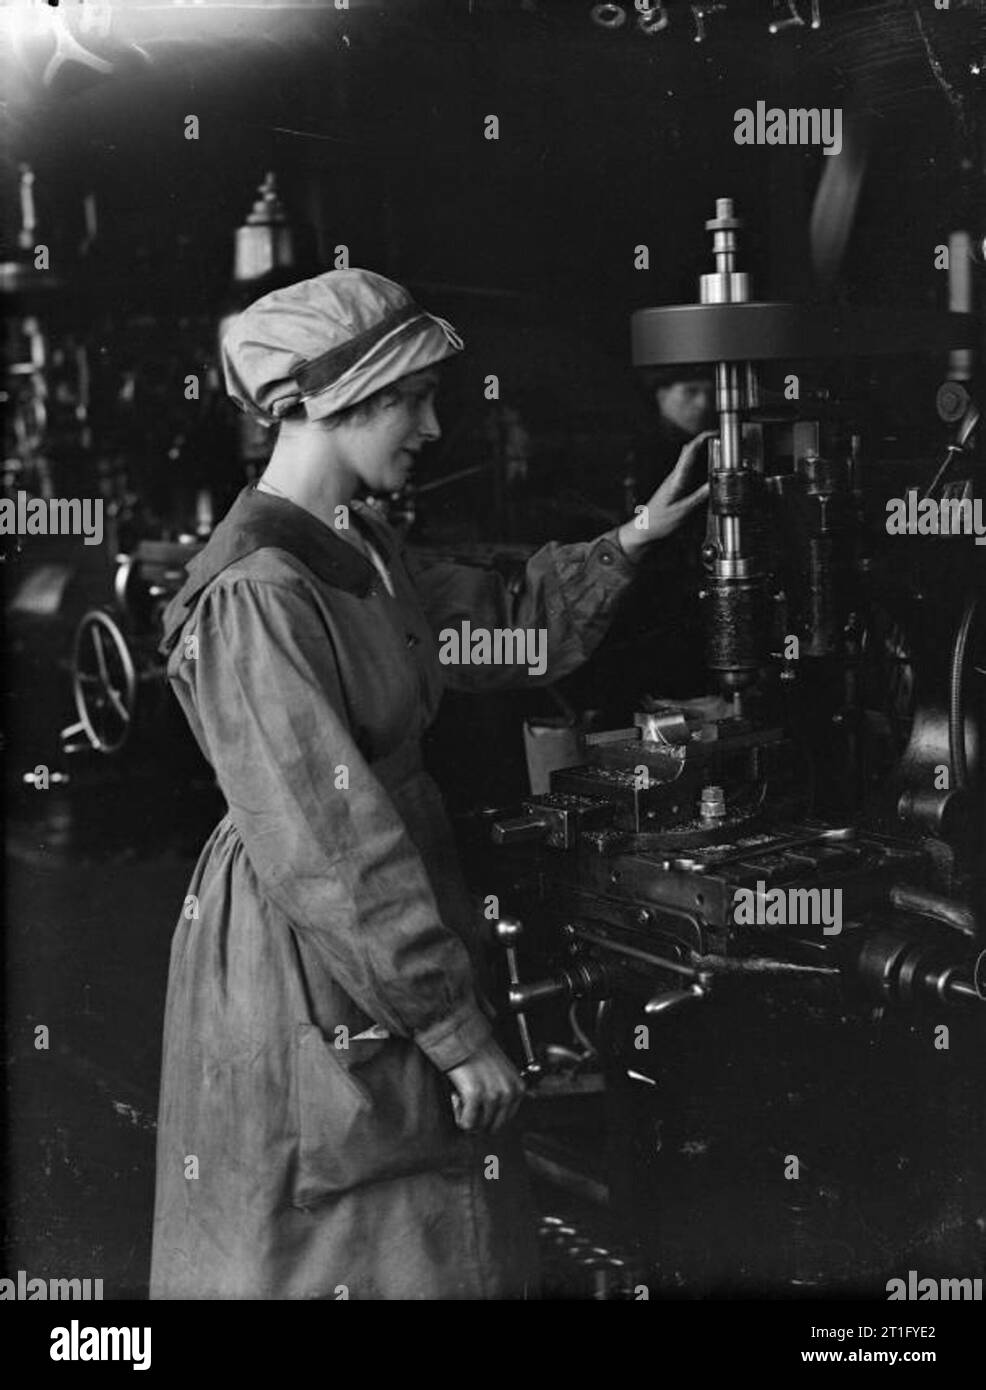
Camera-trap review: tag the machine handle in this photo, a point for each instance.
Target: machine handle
(587, 980)
(936, 905)
(523, 996)
(508, 930)
(672, 1001)
(519, 830)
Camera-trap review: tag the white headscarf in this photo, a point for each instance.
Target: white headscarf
(327, 343)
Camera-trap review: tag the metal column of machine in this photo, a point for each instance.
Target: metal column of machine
(734, 591)
(733, 331)
(733, 594)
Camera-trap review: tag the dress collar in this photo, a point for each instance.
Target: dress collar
(260, 519)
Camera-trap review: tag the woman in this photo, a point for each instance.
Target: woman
(334, 1115)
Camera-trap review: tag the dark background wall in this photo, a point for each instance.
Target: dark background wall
(373, 120)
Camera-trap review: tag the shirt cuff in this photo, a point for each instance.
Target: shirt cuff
(609, 551)
(454, 1039)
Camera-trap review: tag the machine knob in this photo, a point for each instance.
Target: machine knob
(952, 401)
(508, 930)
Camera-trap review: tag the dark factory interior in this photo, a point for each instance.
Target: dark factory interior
(790, 695)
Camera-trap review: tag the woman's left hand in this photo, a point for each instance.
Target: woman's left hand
(671, 503)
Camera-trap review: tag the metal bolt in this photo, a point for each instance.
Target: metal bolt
(712, 806)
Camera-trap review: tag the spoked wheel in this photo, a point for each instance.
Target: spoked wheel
(104, 683)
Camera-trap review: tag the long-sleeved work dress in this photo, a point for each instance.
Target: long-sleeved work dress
(323, 969)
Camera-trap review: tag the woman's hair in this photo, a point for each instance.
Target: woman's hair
(362, 410)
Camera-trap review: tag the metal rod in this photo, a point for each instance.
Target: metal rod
(963, 990)
(637, 953)
(762, 965)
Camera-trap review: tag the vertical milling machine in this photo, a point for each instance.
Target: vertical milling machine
(618, 887)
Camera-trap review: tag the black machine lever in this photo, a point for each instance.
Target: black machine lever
(673, 1000)
(508, 931)
(586, 980)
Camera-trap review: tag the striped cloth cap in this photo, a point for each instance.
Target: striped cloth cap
(327, 343)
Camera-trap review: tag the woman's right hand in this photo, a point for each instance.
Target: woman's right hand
(672, 502)
(488, 1090)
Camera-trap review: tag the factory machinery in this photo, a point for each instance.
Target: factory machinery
(760, 913)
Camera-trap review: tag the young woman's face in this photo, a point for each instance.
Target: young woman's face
(381, 450)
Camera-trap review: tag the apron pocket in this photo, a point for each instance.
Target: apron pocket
(377, 1110)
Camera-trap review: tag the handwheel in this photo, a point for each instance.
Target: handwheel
(104, 683)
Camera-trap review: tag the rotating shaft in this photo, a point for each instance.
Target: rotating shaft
(734, 584)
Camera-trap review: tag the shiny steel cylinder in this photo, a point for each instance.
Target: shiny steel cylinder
(733, 597)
